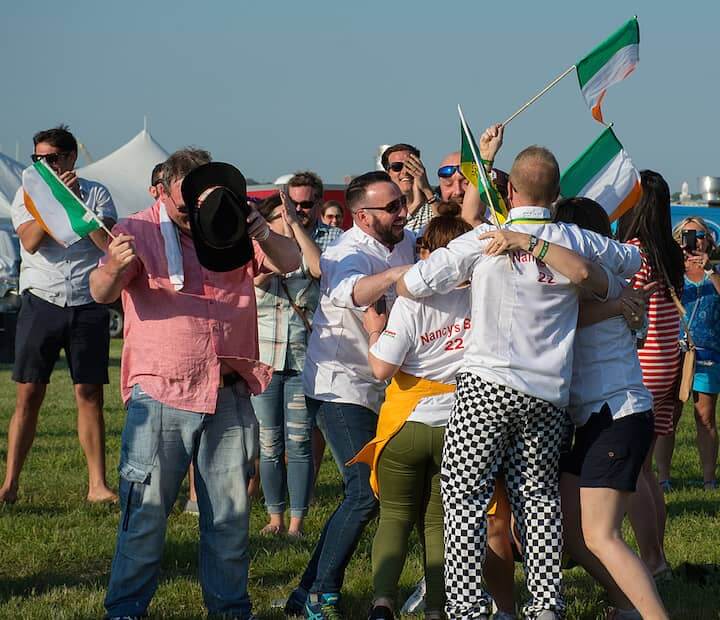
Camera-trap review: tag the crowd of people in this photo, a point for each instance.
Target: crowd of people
(502, 389)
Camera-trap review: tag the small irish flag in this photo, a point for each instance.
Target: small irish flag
(610, 62)
(605, 173)
(60, 212)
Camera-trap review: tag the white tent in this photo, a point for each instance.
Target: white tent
(10, 180)
(126, 172)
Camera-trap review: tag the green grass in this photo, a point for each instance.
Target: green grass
(55, 550)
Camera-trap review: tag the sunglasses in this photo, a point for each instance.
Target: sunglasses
(396, 166)
(445, 172)
(391, 207)
(699, 234)
(305, 205)
(50, 158)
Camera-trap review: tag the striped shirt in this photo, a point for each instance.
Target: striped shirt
(660, 355)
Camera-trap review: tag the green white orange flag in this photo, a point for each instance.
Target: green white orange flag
(610, 62)
(475, 173)
(605, 173)
(60, 212)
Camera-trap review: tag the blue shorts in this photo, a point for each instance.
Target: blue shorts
(707, 378)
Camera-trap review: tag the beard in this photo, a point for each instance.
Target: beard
(388, 235)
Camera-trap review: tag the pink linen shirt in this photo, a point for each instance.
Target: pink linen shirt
(175, 341)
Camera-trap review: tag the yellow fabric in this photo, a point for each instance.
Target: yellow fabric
(401, 397)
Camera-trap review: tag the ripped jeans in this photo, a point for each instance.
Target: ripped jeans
(285, 428)
(158, 443)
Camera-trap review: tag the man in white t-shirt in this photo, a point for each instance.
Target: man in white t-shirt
(358, 270)
(514, 384)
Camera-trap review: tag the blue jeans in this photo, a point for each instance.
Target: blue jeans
(347, 428)
(285, 427)
(158, 443)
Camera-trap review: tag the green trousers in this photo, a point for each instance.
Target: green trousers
(409, 482)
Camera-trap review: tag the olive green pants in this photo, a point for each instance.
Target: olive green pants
(409, 482)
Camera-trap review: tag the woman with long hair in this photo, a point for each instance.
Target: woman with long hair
(648, 226)
(701, 299)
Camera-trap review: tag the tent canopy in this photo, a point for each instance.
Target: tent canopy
(126, 172)
(10, 180)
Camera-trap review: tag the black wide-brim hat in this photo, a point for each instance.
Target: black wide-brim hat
(219, 225)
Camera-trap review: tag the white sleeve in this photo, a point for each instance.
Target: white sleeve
(399, 335)
(20, 215)
(621, 259)
(447, 267)
(342, 274)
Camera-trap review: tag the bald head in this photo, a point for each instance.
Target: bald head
(535, 176)
(452, 187)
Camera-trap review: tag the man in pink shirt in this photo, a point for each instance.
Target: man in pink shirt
(185, 269)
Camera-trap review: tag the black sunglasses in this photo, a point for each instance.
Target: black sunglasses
(396, 166)
(699, 234)
(445, 172)
(50, 158)
(391, 207)
(305, 205)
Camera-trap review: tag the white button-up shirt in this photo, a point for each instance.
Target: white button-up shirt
(606, 368)
(336, 363)
(524, 315)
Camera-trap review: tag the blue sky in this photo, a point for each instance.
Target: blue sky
(278, 86)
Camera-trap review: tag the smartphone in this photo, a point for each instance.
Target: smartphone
(688, 240)
(380, 305)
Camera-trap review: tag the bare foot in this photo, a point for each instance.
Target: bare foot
(271, 529)
(103, 495)
(8, 495)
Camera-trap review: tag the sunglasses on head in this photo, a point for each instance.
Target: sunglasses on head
(50, 158)
(445, 172)
(391, 207)
(396, 166)
(305, 205)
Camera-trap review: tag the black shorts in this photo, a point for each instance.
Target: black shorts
(44, 328)
(609, 453)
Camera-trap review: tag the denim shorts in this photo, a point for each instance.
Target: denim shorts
(609, 453)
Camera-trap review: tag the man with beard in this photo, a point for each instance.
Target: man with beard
(402, 162)
(359, 270)
(452, 182)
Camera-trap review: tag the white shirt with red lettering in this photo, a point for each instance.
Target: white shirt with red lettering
(427, 339)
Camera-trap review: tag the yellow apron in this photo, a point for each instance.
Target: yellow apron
(401, 397)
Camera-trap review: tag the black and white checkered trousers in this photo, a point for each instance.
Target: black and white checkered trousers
(492, 428)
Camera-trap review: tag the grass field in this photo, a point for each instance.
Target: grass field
(56, 550)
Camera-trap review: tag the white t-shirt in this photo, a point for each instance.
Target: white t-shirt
(427, 339)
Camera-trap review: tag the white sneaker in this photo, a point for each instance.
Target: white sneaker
(416, 601)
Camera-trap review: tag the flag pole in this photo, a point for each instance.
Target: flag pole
(481, 169)
(540, 94)
(483, 176)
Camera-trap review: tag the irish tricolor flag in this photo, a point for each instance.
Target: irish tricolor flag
(610, 62)
(60, 212)
(605, 173)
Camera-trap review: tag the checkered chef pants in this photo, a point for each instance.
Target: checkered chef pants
(494, 427)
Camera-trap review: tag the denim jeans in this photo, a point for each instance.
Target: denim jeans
(285, 428)
(158, 443)
(347, 428)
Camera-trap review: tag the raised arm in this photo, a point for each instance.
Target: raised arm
(309, 249)
(282, 253)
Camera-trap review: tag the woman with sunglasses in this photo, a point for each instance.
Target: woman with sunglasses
(647, 225)
(421, 357)
(701, 299)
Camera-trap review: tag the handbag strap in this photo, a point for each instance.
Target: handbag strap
(680, 308)
(298, 309)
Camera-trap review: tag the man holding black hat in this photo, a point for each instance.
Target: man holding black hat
(185, 270)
